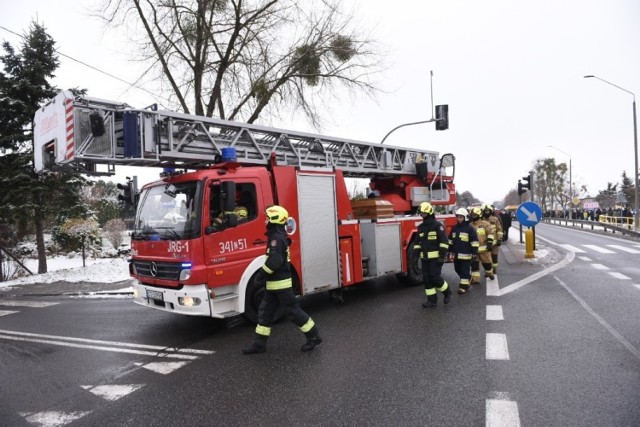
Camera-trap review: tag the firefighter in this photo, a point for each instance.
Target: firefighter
(488, 214)
(276, 275)
(505, 217)
(463, 242)
(433, 246)
(485, 245)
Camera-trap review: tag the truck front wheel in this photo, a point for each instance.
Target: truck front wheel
(413, 276)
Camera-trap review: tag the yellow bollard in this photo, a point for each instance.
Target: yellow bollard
(528, 243)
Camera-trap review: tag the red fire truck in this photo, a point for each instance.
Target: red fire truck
(191, 254)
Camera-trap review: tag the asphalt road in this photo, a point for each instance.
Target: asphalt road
(552, 347)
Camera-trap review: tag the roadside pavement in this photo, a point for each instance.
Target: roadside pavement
(66, 288)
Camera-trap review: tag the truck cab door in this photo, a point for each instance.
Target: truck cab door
(232, 240)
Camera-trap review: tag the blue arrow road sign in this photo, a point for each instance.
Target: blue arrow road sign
(529, 214)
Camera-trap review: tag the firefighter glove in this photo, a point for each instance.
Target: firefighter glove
(489, 246)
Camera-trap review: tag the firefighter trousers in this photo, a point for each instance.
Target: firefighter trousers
(287, 300)
(432, 278)
(463, 269)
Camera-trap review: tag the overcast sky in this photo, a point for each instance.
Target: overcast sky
(510, 71)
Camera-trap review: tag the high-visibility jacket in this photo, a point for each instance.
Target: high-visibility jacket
(277, 266)
(432, 239)
(496, 226)
(463, 241)
(485, 235)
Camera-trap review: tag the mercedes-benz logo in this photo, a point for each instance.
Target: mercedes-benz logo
(154, 269)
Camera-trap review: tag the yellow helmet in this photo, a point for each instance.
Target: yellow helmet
(488, 207)
(476, 212)
(277, 214)
(425, 209)
(241, 212)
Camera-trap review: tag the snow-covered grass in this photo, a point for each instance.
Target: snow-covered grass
(98, 270)
(106, 267)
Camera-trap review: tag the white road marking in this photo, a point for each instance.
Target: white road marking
(112, 392)
(637, 286)
(625, 249)
(585, 258)
(494, 312)
(572, 249)
(5, 312)
(493, 286)
(619, 276)
(603, 322)
(115, 343)
(100, 348)
(599, 249)
(512, 287)
(162, 367)
(37, 304)
(600, 266)
(52, 418)
(501, 411)
(496, 348)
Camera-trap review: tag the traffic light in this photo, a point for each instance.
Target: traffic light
(521, 190)
(524, 186)
(442, 117)
(128, 191)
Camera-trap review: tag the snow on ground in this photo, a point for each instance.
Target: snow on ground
(97, 270)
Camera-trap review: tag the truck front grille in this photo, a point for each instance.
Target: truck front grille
(158, 270)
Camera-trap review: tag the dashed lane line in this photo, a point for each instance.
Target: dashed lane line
(585, 258)
(494, 312)
(619, 276)
(496, 347)
(571, 248)
(599, 249)
(501, 411)
(599, 266)
(625, 249)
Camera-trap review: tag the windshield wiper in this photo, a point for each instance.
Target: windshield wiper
(171, 232)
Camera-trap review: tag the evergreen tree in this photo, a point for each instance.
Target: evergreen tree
(28, 200)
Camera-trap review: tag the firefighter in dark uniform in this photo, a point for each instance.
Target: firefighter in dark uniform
(463, 242)
(276, 275)
(433, 245)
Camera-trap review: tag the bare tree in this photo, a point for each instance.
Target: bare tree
(238, 59)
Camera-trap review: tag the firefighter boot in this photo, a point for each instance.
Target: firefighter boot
(432, 301)
(447, 295)
(463, 289)
(259, 345)
(313, 339)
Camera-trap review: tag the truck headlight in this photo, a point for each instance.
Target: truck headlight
(185, 273)
(189, 301)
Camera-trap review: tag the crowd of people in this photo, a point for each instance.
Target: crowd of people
(589, 214)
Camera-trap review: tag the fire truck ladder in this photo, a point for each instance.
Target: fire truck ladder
(114, 134)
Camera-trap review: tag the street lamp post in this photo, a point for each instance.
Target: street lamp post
(635, 146)
(570, 181)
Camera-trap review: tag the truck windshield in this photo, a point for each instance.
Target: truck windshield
(169, 212)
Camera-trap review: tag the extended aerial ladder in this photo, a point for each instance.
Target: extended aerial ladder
(79, 133)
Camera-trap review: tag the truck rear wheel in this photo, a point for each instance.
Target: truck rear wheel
(413, 276)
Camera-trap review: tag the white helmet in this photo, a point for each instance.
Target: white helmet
(462, 212)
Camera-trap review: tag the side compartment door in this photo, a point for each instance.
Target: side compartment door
(318, 232)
